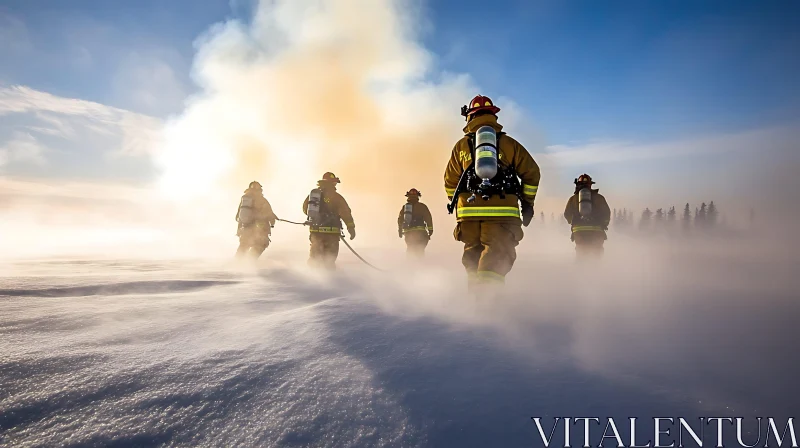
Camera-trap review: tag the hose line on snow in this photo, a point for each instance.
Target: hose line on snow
(357, 255)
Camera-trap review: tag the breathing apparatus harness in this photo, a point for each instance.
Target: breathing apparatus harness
(409, 219)
(246, 215)
(503, 183)
(318, 212)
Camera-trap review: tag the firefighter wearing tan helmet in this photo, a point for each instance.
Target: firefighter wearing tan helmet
(415, 223)
(326, 209)
(588, 214)
(255, 221)
(488, 177)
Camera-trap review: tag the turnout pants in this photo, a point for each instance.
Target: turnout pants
(489, 249)
(324, 249)
(416, 242)
(589, 244)
(253, 241)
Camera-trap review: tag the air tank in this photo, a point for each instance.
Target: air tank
(486, 153)
(314, 204)
(585, 202)
(407, 214)
(246, 213)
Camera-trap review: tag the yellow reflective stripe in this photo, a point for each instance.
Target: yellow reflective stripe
(587, 228)
(491, 276)
(488, 211)
(325, 230)
(349, 224)
(450, 191)
(530, 190)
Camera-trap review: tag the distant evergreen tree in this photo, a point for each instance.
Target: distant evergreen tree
(552, 217)
(700, 221)
(542, 215)
(687, 217)
(660, 214)
(645, 221)
(671, 214)
(712, 214)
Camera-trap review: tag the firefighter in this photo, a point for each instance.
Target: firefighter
(325, 217)
(489, 225)
(256, 219)
(588, 214)
(415, 224)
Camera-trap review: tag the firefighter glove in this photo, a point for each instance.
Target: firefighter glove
(400, 233)
(352, 232)
(527, 213)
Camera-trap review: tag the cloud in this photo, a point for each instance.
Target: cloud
(778, 140)
(20, 99)
(22, 148)
(71, 130)
(738, 170)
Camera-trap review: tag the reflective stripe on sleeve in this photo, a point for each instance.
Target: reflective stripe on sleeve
(529, 190)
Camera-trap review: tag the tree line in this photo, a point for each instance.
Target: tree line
(705, 216)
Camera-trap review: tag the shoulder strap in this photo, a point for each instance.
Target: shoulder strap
(471, 141)
(471, 144)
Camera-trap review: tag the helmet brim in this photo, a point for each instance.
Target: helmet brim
(492, 109)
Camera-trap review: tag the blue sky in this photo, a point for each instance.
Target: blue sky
(585, 70)
(639, 69)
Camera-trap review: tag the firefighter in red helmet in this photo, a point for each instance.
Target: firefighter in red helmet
(415, 223)
(489, 176)
(588, 214)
